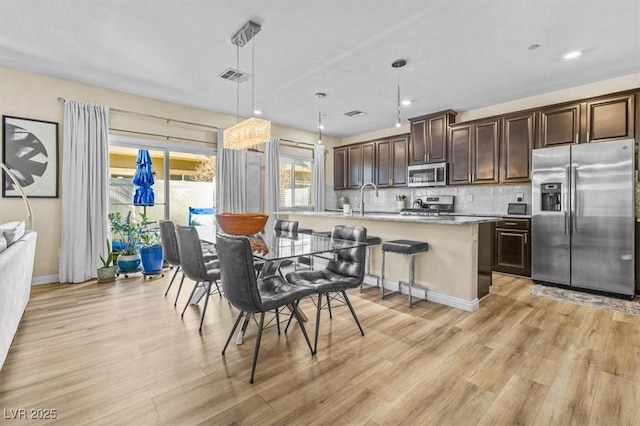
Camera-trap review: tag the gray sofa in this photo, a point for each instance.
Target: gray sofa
(16, 271)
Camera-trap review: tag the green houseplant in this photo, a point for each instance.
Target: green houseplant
(151, 249)
(127, 233)
(108, 270)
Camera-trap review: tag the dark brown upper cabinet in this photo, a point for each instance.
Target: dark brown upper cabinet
(361, 160)
(400, 156)
(485, 152)
(610, 118)
(560, 125)
(339, 168)
(354, 166)
(429, 133)
(368, 162)
(515, 148)
(460, 153)
(384, 164)
(474, 152)
(391, 161)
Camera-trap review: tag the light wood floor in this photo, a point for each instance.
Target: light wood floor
(120, 354)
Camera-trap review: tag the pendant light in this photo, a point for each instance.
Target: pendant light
(320, 96)
(397, 64)
(252, 131)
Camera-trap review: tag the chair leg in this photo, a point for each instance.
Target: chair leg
(304, 330)
(235, 326)
(278, 320)
(315, 345)
(218, 288)
(329, 306)
(171, 282)
(286, 329)
(206, 302)
(190, 296)
(255, 353)
(352, 311)
(179, 288)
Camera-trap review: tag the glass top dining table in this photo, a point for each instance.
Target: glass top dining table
(280, 245)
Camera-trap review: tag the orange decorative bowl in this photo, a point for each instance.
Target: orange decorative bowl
(241, 223)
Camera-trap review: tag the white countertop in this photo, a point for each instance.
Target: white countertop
(396, 217)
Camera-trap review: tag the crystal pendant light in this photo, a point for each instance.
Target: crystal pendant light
(252, 131)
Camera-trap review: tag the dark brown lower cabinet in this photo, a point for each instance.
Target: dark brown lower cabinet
(512, 247)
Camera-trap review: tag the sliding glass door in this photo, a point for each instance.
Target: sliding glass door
(184, 180)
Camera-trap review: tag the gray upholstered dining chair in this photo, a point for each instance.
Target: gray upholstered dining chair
(194, 266)
(252, 295)
(169, 243)
(286, 229)
(344, 272)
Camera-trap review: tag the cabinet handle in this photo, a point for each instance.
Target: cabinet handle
(510, 224)
(588, 136)
(577, 140)
(525, 238)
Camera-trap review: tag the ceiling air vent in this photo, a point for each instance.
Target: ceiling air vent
(234, 75)
(355, 113)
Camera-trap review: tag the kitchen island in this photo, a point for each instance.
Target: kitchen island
(456, 269)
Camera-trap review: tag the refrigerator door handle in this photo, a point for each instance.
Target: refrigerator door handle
(574, 203)
(565, 204)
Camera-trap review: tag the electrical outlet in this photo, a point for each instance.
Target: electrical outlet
(519, 197)
(469, 197)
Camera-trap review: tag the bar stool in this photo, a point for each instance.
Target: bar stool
(371, 241)
(409, 248)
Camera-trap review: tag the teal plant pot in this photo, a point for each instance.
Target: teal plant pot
(152, 259)
(129, 262)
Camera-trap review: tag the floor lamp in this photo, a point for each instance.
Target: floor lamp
(22, 193)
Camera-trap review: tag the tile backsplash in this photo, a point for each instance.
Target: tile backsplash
(470, 199)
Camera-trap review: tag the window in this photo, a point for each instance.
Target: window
(295, 182)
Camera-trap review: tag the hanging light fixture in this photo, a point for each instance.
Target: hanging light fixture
(320, 96)
(397, 64)
(252, 131)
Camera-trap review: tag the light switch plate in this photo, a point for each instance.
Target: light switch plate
(519, 198)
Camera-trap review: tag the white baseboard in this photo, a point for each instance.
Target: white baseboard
(45, 279)
(432, 296)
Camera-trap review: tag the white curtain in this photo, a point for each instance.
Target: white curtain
(317, 178)
(85, 190)
(272, 179)
(232, 178)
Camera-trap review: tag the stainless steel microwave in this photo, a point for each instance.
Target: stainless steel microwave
(434, 174)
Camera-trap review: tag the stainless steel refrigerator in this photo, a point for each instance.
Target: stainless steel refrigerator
(583, 221)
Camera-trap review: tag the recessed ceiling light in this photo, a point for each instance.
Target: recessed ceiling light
(406, 102)
(572, 55)
(257, 112)
(398, 125)
(321, 127)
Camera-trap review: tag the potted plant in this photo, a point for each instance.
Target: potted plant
(127, 233)
(151, 249)
(108, 270)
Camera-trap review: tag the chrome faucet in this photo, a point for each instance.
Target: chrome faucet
(362, 195)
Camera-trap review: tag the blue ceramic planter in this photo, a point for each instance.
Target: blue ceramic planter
(152, 259)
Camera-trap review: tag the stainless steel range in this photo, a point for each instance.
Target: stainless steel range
(431, 206)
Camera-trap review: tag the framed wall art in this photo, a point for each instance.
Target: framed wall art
(30, 150)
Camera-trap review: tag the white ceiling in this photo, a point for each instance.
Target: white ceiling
(461, 54)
